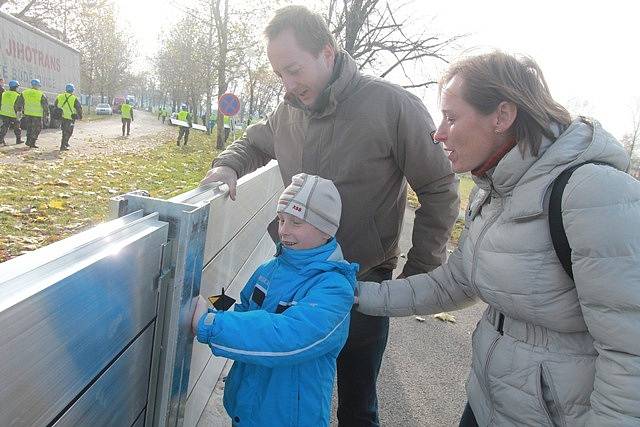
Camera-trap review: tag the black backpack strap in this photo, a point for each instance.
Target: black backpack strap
(556, 226)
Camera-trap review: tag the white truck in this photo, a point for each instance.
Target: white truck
(27, 53)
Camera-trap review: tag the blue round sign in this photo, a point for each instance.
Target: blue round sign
(229, 104)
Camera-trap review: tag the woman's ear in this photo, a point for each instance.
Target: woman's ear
(506, 115)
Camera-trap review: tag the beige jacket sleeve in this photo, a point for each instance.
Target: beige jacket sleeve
(255, 149)
(429, 173)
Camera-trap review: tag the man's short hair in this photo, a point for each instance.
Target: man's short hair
(309, 28)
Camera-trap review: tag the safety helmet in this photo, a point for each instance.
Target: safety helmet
(69, 87)
(35, 83)
(183, 106)
(13, 84)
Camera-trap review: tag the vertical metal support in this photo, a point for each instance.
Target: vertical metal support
(179, 283)
(163, 282)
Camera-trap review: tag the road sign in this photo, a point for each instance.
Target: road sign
(229, 104)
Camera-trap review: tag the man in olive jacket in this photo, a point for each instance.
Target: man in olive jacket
(367, 136)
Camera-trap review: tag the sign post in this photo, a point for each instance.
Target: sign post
(229, 104)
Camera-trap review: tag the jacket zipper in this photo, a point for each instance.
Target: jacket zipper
(485, 380)
(484, 230)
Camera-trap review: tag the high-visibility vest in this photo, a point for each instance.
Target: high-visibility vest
(32, 102)
(67, 102)
(183, 115)
(125, 111)
(8, 101)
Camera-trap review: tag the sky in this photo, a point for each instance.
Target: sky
(586, 49)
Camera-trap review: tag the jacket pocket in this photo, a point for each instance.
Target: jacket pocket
(548, 397)
(238, 390)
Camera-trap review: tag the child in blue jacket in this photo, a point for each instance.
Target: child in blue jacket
(293, 318)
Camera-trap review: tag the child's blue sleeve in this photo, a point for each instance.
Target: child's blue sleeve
(306, 330)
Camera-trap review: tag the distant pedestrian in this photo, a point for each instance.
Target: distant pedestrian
(35, 106)
(8, 113)
(126, 113)
(71, 110)
(183, 131)
(212, 121)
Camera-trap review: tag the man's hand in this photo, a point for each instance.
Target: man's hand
(201, 308)
(223, 174)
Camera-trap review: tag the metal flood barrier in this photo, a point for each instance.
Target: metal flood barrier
(95, 330)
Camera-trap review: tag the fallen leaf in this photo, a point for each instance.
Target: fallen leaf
(56, 204)
(445, 317)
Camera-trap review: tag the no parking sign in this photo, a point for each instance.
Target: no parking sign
(229, 104)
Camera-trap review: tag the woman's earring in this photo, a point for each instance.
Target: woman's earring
(498, 131)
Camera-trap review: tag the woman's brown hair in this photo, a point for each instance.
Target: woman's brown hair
(491, 78)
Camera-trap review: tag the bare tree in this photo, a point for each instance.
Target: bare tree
(221, 19)
(105, 60)
(54, 17)
(635, 130)
(630, 140)
(377, 40)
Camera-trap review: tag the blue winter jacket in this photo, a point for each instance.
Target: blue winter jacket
(285, 336)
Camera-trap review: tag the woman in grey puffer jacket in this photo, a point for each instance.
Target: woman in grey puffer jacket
(548, 350)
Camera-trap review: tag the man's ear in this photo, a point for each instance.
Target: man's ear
(328, 54)
(506, 115)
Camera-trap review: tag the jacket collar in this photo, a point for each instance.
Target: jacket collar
(310, 262)
(527, 178)
(345, 75)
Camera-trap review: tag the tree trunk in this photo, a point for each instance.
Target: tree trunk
(221, 23)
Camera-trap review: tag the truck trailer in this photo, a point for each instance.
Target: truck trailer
(28, 53)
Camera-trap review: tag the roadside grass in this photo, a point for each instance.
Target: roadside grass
(466, 185)
(41, 203)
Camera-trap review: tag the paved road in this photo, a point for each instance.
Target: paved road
(425, 365)
(96, 137)
(423, 373)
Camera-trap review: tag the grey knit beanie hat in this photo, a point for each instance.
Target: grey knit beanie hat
(313, 199)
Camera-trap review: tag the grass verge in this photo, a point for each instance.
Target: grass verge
(44, 202)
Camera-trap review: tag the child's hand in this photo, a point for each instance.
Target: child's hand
(201, 308)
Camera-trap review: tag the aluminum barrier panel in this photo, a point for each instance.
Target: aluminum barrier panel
(96, 329)
(76, 325)
(216, 242)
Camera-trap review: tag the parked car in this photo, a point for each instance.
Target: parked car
(103, 109)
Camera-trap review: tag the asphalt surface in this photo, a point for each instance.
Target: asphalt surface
(425, 364)
(424, 368)
(95, 137)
